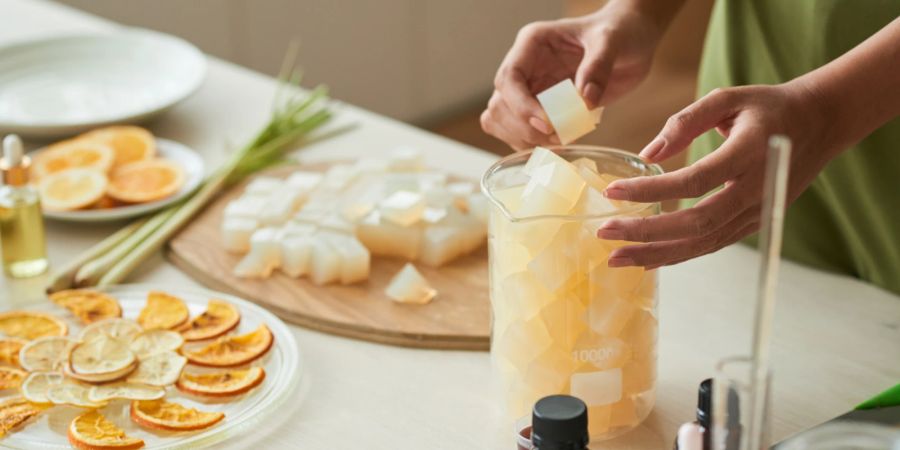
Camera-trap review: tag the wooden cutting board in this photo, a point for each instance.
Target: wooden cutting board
(458, 318)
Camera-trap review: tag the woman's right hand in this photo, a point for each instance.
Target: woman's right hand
(607, 53)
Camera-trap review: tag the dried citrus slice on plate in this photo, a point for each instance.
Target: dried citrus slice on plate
(46, 354)
(72, 154)
(100, 377)
(163, 311)
(123, 329)
(221, 384)
(219, 318)
(31, 325)
(89, 306)
(232, 350)
(146, 181)
(92, 431)
(163, 415)
(16, 411)
(36, 385)
(11, 378)
(100, 355)
(127, 391)
(150, 342)
(9, 351)
(72, 189)
(161, 369)
(129, 143)
(72, 393)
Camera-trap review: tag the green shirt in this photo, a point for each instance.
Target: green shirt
(848, 220)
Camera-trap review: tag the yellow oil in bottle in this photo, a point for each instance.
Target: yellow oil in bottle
(22, 233)
(22, 242)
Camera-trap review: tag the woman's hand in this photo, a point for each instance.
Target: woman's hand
(608, 53)
(746, 117)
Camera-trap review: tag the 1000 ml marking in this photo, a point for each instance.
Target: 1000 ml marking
(594, 356)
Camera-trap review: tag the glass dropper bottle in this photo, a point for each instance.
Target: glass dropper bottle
(22, 241)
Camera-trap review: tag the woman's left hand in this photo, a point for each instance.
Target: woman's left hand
(746, 117)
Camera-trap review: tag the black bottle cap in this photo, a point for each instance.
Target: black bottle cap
(704, 403)
(559, 422)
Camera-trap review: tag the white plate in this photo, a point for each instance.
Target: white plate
(66, 85)
(244, 415)
(171, 150)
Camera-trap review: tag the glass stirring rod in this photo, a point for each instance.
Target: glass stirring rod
(773, 209)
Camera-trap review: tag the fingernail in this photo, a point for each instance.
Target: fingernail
(615, 193)
(591, 95)
(611, 232)
(540, 125)
(620, 261)
(652, 149)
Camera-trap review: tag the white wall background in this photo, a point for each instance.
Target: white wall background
(415, 60)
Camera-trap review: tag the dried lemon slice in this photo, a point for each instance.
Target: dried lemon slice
(161, 369)
(129, 143)
(100, 355)
(125, 390)
(163, 415)
(11, 378)
(72, 189)
(89, 306)
(9, 351)
(100, 377)
(219, 318)
(221, 384)
(150, 342)
(92, 431)
(36, 385)
(46, 354)
(72, 393)
(146, 181)
(163, 311)
(122, 329)
(31, 325)
(16, 411)
(233, 350)
(72, 154)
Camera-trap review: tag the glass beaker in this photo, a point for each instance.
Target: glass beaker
(563, 322)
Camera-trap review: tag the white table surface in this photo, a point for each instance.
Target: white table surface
(837, 340)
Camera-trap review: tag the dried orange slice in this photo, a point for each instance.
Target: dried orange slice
(31, 325)
(163, 415)
(89, 306)
(221, 384)
(122, 329)
(233, 350)
(219, 318)
(48, 354)
(161, 369)
(9, 351)
(92, 431)
(16, 411)
(11, 378)
(163, 311)
(72, 189)
(129, 143)
(106, 202)
(145, 181)
(72, 154)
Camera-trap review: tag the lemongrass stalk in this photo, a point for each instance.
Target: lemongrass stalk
(92, 270)
(64, 278)
(180, 214)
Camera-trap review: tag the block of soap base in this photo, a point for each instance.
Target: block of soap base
(409, 286)
(567, 111)
(403, 207)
